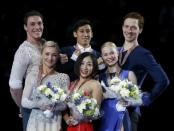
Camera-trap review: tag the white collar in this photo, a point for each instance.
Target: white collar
(82, 49)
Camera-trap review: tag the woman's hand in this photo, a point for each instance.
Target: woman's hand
(71, 121)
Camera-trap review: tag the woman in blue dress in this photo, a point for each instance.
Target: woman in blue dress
(113, 118)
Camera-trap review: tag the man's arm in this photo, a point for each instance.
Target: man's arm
(158, 75)
(16, 95)
(19, 67)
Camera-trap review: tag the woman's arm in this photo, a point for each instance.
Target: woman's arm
(132, 77)
(97, 91)
(30, 84)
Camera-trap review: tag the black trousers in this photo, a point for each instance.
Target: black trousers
(25, 117)
(134, 117)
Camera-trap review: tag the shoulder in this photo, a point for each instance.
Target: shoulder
(96, 53)
(24, 47)
(22, 53)
(127, 71)
(59, 78)
(67, 48)
(94, 83)
(25, 44)
(62, 75)
(119, 49)
(141, 50)
(144, 54)
(95, 86)
(140, 54)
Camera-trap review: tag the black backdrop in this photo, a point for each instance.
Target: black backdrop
(106, 16)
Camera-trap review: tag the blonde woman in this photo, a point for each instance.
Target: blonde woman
(108, 107)
(38, 103)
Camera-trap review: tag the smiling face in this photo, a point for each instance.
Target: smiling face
(109, 55)
(83, 35)
(131, 29)
(34, 27)
(49, 56)
(86, 67)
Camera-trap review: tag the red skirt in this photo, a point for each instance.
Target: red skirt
(84, 126)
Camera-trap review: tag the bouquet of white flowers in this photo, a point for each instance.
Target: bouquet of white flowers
(55, 94)
(125, 91)
(83, 107)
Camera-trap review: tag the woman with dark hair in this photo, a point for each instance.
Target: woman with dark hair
(85, 68)
(80, 59)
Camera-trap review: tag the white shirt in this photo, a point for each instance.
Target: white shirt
(82, 50)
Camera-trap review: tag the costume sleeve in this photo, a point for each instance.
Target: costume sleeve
(19, 67)
(28, 91)
(158, 75)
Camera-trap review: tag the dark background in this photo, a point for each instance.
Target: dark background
(107, 17)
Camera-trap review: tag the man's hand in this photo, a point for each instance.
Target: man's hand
(101, 64)
(20, 113)
(100, 61)
(146, 99)
(63, 58)
(77, 52)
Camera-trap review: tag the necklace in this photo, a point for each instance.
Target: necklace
(123, 60)
(42, 75)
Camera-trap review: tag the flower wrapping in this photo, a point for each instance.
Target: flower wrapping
(124, 90)
(55, 95)
(83, 107)
(52, 92)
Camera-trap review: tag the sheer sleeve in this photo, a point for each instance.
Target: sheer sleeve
(65, 81)
(19, 67)
(28, 91)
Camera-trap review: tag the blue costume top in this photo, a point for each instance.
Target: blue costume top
(112, 119)
(142, 63)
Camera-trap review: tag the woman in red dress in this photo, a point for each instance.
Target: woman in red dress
(86, 69)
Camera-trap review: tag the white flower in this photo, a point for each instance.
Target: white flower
(96, 112)
(94, 101)
(42, 87)
(63, 97)
(87, 101)
(81, 107)
(53, 92)
(76, 96)
(123, 84)
(85, 105)
(124, 92)
(115, 88)
(56, 97)
(114, 80)
(48, 92)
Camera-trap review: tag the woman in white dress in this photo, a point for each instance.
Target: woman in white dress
(36, 101)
